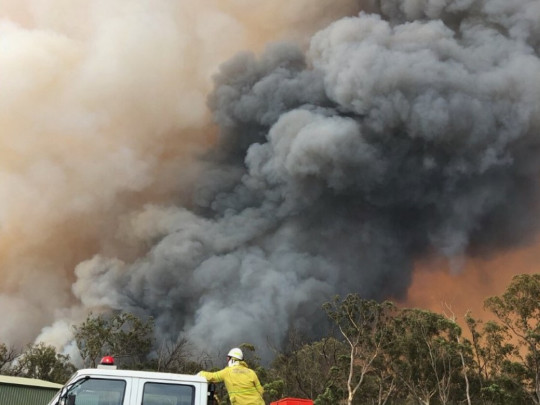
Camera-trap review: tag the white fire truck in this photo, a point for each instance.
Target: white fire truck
(107, 385)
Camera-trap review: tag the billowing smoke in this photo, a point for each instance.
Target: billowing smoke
(103, 111)
(406, 131)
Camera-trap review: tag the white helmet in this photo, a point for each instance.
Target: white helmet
(236, 353)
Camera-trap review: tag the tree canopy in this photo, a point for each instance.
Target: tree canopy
(123, 335)
(375, 353)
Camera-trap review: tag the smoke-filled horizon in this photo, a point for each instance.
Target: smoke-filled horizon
(226, 174)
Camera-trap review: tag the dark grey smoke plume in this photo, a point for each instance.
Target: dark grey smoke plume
(402, 134)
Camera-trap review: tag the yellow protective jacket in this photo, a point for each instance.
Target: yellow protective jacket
(241, 382)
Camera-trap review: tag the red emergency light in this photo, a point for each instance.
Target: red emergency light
(107, 362)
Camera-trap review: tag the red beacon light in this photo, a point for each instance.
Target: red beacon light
(107, 362)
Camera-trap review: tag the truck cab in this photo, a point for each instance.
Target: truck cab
(110, 386)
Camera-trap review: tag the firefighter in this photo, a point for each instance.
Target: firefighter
(241, 382)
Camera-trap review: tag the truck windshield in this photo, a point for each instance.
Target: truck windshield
(96, 391)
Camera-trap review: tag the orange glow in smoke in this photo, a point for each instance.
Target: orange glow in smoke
(437, 289)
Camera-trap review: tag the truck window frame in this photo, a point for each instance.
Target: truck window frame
(121, 391)
(156, 384)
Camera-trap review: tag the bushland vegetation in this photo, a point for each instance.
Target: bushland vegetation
(375, 353)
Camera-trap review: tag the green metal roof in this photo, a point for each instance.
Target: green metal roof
(31, 382)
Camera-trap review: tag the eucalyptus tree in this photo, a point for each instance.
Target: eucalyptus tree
(366, 327)
(310, 370)
(123, 335)
(494, 367)
(43, 362)
(427, 356)
(518, 310)
(7, 355)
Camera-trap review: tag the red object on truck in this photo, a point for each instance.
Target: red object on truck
(292, 401)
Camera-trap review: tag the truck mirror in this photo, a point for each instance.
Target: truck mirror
(211, 394)
(71, 399)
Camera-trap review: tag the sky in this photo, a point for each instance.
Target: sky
(227, 166)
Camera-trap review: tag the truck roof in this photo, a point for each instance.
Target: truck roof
(96, 372)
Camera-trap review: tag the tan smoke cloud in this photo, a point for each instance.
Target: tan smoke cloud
(103, 108)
